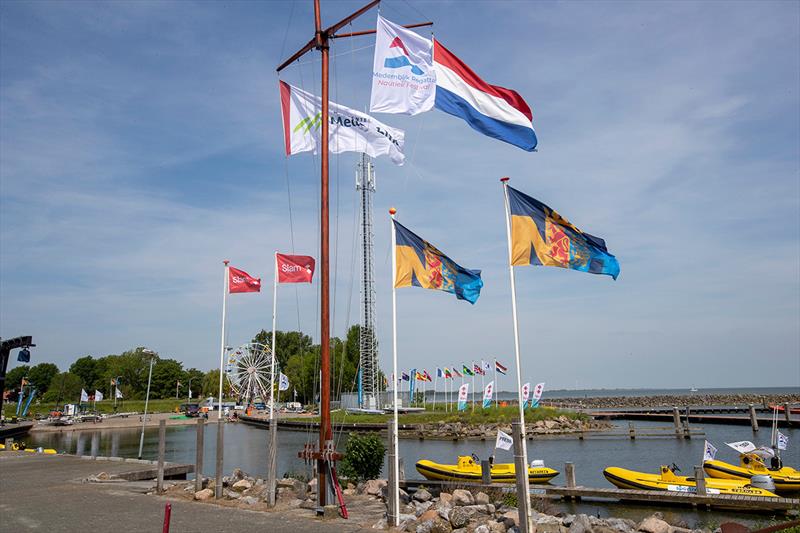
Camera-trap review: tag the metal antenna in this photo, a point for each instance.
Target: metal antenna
(368, 346)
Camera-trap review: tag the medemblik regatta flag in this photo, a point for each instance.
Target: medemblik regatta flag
(420, 264)
(540, 236)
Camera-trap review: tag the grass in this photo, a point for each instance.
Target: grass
(106, 406)
(501, 415)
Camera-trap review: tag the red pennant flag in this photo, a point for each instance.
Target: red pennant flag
(241, 281)
(295, 268)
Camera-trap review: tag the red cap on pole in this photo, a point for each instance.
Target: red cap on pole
(504, 179)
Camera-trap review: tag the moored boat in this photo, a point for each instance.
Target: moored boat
(469, 469)
(786, 478)
(667, 480)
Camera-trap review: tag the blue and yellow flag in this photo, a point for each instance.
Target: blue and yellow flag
(540, 236)
(421, 264)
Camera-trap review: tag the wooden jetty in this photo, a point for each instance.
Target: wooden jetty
(716, 417)
(739, 502)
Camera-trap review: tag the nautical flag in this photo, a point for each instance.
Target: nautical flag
(117, 393)
(742, 446)
(241, 281)
(456, 373)
(420, 264)
(489, 109)
(487, 394)
(709, 451)
(405, 376)
(427, 376)
(467, 371)
(418, 376)
(526, 394)
(84, 396)
(463, 391)
(439, 373)
(783, 441)
(487, 366)
(295, 268)
(504, 440)
(350, 130)
(477, 369)
(98, 396)
(540, 236)
(447, 373)
(499, 367)
(403, 78)
(283, 382)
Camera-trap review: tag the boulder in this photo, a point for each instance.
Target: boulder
(460, 516)
(581, 524)
(511, 518)
(621, 524)
(421, 507)
(205, 494)
(482, 528)
(373, 486)
(308, 504)
(445, 498)
(249, 500)
(312, 486)
(242, 485)
(497, 527)
(482, 498)
(653, 524)
(422, 495)
(462, 497)
(295, 485)
(232, 494)
(238, 474)
(330, 512)
(430, 514)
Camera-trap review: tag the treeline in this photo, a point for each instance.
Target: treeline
(298, 358)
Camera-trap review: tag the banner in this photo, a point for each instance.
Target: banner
(526, 395)
(241, 281)
(463, 391)
(283, 383)
(350, 130)
(783, 441)
(709, 452)
(504, 441)
(403, 78)
(295, 268)
(98, 396)
(537, 392)
(742, 446)
(487, 394)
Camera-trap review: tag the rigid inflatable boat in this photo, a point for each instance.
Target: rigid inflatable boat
(667, 480)
(786, 478)
(469, 469)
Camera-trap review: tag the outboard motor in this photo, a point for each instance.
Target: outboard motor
(762, 481)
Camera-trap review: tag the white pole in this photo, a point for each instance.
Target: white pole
(396, 465)
(516, 342)
(272, 347)
(483, 386)
(473, 386)
(146, 400)
(222, 343)
(435, 382)
(496, 386)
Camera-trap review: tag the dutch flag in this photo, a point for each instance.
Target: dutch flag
(492, 110)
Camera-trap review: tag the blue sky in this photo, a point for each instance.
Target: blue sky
(140, 144)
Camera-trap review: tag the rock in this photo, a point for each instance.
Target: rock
(549, 527)
(312, 486)
(422, 507)
(349, 492)
(204, 494)
(383, 523)
(602, 528)
(424, 526)
(460, 516)
(581, 524)
(497, 527)
(462, 497)
(249, 500)
(103, 476)
(511, 518)
(232, 494)
(308, 504)
(676, 529)
(483, 528)
(238, 474)
(653, 524)
(373, 486)
(330, 511)
(422, 495)
(295, 485)
(621, 524)
(482, 498)
(242, 485)
(441, 526)
(405, 520)
(430, 514)
(445, 498)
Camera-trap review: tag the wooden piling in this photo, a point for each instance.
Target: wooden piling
(162, 448)
(393, 510)
(486, 472)
(218, 470)
(787, 413)
(95, 450)
(687, 432)
(9, 444)
(631, 431)
(753, 418)
(521, 469)
(198, 457)
(676, 418)
(700, 479)
(569, 473)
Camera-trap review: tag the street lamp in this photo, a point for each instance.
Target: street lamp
(116, 386)
(146, 398)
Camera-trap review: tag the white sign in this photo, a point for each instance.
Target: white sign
(742, 446)
(349, 130)
(504, 441)
(709, 452)
(463, 390)
(487, 394)
(403, 78)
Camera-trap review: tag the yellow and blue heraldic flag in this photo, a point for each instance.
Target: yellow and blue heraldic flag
(421, 264)
(540, 236)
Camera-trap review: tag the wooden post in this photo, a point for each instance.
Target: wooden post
(700, 479)
(162, 447)
(9, 444)
(521, 470)
(218, 475)
(753, 419)
(401, 465)
(198, 458)
(631, 431)
(569, 472)
(95, 444)
(787, 414)
(486, 472)
(393, 511)
(676, 418)
(687, 433)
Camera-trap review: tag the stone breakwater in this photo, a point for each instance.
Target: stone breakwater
(670, 400)
(460, 430)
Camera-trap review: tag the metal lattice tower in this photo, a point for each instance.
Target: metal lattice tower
(368, 345)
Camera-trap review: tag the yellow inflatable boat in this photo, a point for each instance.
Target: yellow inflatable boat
(16, 447)
(667, 480)
(786, 478)
(469, 469)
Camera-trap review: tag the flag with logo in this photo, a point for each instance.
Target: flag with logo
(421, 264)
(349, 131)
(540, 236)
(709, 452)
(447, 373)
(98, 396)
(478, 369)
(782, 441)
(504, 440)
(404, 376)
(283, 382)
(295, 268)
(463, 392)
(742, 446)
(84, 396)
(538, 390)
(526, 395)
(403, 78)
(487, 395)
(241, 281)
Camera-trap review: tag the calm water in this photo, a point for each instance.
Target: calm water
(245, 448)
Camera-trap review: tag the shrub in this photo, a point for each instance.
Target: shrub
(363, 457)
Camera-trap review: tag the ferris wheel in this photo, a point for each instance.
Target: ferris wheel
(249, 371)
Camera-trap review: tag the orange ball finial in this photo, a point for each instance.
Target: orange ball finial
(505, 179)
(392, 211)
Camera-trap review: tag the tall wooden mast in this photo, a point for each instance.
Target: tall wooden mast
(320, 42)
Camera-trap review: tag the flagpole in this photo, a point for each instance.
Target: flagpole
(396, 463)
(473, 386)
(435, 382)
(222, 342)
(273, 430)
(523, 444)
(496, 385)
(483, 379)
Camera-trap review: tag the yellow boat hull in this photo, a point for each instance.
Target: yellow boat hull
(668, 481)
(786, 479)
(469, 471)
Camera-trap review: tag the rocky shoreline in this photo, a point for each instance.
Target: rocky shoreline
(460, 430)
(673, 400)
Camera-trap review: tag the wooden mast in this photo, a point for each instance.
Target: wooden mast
(320, 42)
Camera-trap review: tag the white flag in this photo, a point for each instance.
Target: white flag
(403, 77)
(709, 452)
(504, 441)
(283, 383)
(190, 394)
(783, 441)
(117, 393)
(487, 367)
(526, 394)
(742, 446)
(84, 396)
(537, 392)
(98, 396)
(487, 394)
(350, 130)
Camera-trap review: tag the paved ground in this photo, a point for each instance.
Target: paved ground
(45, 493)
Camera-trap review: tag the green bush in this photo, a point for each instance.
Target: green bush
(363, 457)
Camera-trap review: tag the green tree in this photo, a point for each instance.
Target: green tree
(41, 375)
(64, 388)
(86, 369)
(210, 385)
(133, 367)
(288, 343)
(166, 375)
(15, 375)
(195, 377)
(102, 380)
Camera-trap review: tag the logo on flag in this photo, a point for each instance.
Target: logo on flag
(477, 369)
(537, 391)
(283, 382)
(241, 281)
(709, 452)
(295, 268)
(783, 441)
(463, 391)
(487, 394)
(504, 440)
(526, 394)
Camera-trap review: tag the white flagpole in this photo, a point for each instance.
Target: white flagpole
(435, 382)
(483, 376)
(396, 462)
(496, 386)
(473, 386)
(516, 345)
(222, 343)
(272, 347)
